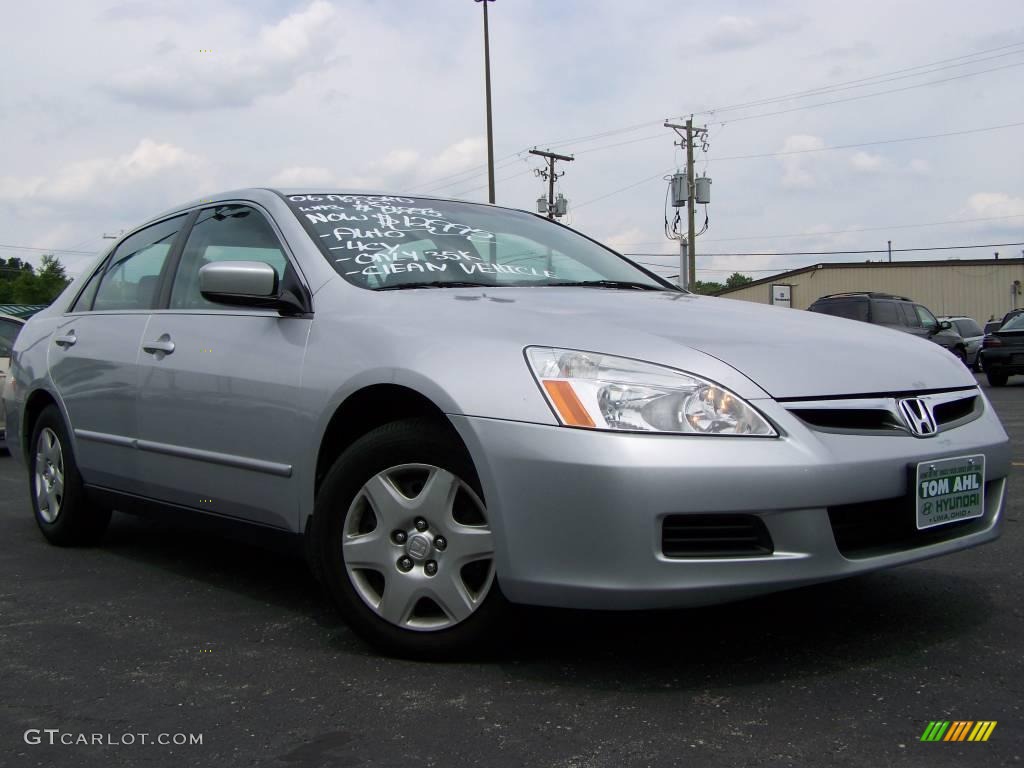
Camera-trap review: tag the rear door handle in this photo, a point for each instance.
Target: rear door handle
(163, 345)
(66, 341)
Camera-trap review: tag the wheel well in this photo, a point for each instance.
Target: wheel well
(35, 404)
(366, 410)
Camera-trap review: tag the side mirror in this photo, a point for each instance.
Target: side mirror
(246, 283)
(945, 325)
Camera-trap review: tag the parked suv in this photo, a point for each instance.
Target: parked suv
(896, 312)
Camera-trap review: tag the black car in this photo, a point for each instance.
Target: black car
(1002, 352)
(897, 312)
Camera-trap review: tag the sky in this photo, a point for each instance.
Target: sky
(111, 112)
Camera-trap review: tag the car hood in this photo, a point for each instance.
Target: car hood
(788, 353)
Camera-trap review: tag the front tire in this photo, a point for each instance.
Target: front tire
(403, 544)
(62, 511)
(997, 379)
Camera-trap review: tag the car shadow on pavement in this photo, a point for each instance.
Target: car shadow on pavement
(805, 632)
(790, 635)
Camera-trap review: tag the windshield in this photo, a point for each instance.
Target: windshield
(382, 242)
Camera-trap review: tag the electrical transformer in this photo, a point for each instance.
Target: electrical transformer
(561, 205)
(542, 205)
(702, 190)
(679, 190)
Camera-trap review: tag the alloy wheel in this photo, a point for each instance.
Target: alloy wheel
(49, 475)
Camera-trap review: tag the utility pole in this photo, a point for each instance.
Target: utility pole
(549, 175)
(689, 255)
(487, 88)
(890, 251)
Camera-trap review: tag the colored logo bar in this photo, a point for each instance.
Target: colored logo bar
(958, 730)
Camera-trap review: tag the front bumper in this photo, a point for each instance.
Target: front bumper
(578, 514)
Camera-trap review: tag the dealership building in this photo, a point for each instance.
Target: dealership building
(976, 288)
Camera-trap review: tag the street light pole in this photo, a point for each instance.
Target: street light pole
(487, 88)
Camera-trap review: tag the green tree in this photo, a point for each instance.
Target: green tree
(706, 288)
(21, 284)
(52, 278)
(736, 280)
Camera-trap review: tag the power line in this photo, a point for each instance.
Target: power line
(46, 250)
(798, 94)
(846, 231)
(876, 142)
(871, 95)
(878, 79)
(843, 253)
(478, 170)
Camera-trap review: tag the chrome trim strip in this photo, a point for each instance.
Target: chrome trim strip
(181, 452)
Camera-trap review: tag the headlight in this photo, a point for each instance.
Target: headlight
(603, 392)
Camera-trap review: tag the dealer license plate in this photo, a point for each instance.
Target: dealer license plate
(948, 490)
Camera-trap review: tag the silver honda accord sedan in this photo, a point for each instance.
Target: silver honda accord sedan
(457, 406)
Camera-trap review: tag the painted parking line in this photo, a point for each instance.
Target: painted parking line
(1017, 463)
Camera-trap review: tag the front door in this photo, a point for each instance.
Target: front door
(219, 384)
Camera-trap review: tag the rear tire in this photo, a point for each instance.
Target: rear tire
(403, 545)
(997, 379)
(62, 511)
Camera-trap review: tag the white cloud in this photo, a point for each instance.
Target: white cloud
(796, 171)
(236, 76)
(865, 162)
(303, 176)
(731, 33)
(625, 240)
(459, 156)
(101, 175)
(920, 167)
(982, 204)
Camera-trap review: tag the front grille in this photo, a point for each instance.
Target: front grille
(843, 420)
(955, 410)
(879, 414)
(715, 536)
(874, 528)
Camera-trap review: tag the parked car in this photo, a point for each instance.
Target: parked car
(1002, 354)
(971, 333)
(994, 325)
(454, 406)
(9, 329)
(896, 312)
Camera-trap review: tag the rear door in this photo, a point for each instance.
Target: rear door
(94, 353)
(219, 388)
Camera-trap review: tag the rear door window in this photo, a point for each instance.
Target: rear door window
(132, 277)
(885, 313)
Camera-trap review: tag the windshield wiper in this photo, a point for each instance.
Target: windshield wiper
(623, 284)
(435, 284)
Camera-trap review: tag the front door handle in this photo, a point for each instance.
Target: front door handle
(163, 345)
(66, 341)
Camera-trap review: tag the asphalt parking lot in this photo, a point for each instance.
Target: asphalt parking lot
(167, 631)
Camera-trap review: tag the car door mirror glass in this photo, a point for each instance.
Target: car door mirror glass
(238, 282)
